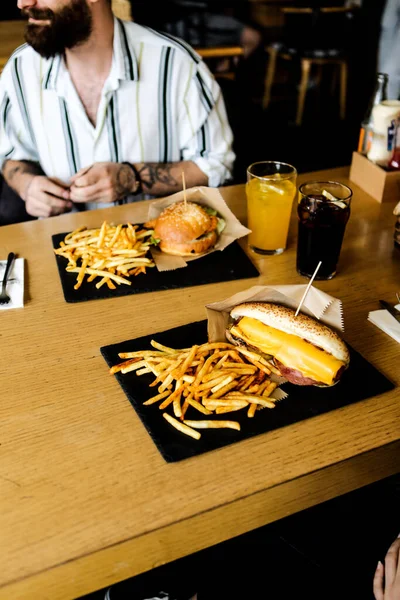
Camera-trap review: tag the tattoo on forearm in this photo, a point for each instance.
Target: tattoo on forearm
(10, 173)
(125, 181)
(153, 173)
(24, 166)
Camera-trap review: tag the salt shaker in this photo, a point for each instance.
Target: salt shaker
(384, 117)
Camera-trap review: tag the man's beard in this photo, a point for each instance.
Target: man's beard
(70, 26)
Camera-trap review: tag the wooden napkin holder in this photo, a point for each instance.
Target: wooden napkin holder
(382, 185)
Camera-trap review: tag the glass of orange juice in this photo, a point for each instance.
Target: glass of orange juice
(270, 191)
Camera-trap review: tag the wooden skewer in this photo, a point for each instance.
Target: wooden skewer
(184, 188)
(308, 287)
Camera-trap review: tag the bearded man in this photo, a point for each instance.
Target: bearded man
(95, 111)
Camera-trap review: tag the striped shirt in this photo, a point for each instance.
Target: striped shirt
(160, 103)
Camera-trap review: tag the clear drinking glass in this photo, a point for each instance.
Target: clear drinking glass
(270, 191)
(323, 211)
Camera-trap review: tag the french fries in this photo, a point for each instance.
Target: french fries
(182, 427)
(207, 379)
(213, 424)
(110, 253)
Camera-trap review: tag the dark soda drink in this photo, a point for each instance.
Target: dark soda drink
(322, 223)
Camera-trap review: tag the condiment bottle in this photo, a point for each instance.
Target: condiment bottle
(379, 94)
(384, 116)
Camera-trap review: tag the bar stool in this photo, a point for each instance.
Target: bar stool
(213, 55)
(314, 37)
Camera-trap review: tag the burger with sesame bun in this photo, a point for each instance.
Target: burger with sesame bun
(186, 229)
(304, 351)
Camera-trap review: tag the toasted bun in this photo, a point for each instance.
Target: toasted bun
(182, 223)
(185, 229)
(283, 318)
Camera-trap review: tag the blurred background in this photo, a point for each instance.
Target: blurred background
(264, 115)
(263, 106)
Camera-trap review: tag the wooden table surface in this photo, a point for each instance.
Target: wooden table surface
(11, 36)
(86, 498)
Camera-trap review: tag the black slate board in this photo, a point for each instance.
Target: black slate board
(361, 380)
(226, 265)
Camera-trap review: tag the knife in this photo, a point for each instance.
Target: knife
(393, 311)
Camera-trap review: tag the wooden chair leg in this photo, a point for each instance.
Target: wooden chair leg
(318, 77)
(343, 89)
(269, 76)
(333, 80)
(318, 81)
(305, 74)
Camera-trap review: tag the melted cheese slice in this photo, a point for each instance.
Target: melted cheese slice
(291, 350)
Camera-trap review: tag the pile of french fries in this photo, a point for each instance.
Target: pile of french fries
(212, 378)
(112, 253)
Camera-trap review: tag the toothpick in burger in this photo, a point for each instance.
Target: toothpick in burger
(304, 350)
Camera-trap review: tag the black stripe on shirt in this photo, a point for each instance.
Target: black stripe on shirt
(70, 144)
(4, 110)
(202, 141)
(113, 137)
(170, 124)
(206, 95)
(129, 71)
(19, 90)
(117, 127)
(46, 80)
(164, 98)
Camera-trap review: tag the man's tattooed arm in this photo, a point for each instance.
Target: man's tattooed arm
(12, 167)
(166, 178)
(14, 172)
(161, 173)
(125, 182)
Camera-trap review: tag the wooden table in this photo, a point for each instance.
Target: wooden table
(11, 36)
(86, 498)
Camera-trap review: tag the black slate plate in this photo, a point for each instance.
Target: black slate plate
(226, 265)
(361, 380)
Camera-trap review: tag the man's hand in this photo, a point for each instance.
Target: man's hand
(45, 197)
(103, 182)
(387, 577)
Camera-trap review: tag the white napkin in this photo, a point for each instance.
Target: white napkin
(386, 322)
(15, 285)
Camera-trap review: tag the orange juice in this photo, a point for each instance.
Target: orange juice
(269, 205)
